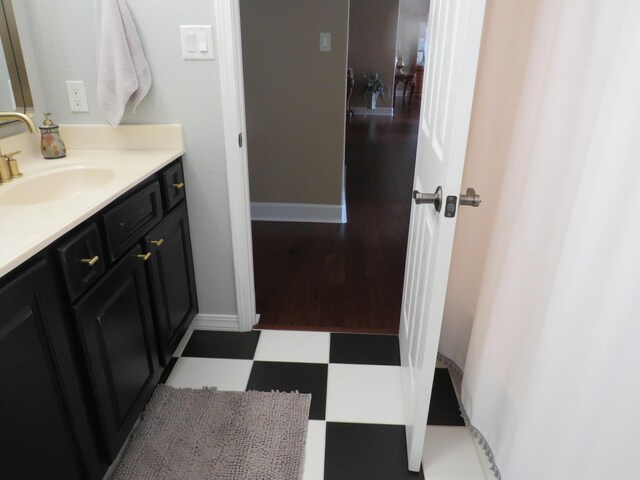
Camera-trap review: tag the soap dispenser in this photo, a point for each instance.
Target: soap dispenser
(51, 143)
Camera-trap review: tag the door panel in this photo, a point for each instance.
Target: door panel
(172, 279)
(116, 328)
(453, 46)
(34, 412)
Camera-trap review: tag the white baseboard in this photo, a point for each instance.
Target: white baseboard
(298, 212)
(205, 321)
(388, 111)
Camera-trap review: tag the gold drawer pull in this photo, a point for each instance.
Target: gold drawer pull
(144, 257)
(157, 243)
(90, 261)
(178, 185)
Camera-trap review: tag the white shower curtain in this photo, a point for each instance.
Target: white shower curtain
(552, 377)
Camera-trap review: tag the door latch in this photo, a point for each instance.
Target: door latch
(450, 206)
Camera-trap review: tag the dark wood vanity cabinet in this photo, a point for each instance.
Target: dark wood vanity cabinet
(173, 284)
(86, 328)
(44, 426)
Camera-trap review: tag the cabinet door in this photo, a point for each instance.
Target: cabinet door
(172, 279)
(116, 329)
(36, 431)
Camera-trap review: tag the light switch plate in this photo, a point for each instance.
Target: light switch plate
(325, 41)
(197, 42)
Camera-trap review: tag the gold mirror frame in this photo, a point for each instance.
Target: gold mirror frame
(15, 60)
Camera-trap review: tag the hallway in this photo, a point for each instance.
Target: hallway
(345, 277)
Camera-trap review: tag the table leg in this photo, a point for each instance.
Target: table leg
(412, 88)
(393, 100)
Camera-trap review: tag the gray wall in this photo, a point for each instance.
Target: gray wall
(60, 38)
(373, 27)
(295, 99)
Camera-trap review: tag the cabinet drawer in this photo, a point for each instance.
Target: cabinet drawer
(172, 179)
(82, 260)
(127, 223)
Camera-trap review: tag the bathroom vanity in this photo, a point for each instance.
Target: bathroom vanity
(97, 288)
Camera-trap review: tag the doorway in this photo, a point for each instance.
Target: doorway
(327, 275)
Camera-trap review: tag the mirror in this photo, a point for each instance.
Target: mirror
(15, 93)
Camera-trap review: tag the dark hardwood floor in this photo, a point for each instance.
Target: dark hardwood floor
(312, 276)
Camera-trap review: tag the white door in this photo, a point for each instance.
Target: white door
(455, 28)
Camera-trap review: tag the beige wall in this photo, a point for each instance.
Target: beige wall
(295, 99)
(504, 50)
(373, 27)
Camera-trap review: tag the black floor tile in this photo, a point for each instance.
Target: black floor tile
(365, 349)
(167, 370)
(372, 452)
(288, 377)
(443, 409)
(235, 345)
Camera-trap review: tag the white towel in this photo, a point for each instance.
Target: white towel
(123, 70)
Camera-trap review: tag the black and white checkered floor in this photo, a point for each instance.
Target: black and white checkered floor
(356, 429)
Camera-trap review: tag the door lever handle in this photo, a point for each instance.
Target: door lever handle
(434, 199)
(471, 199)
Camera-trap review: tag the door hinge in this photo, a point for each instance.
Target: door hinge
(240, 139)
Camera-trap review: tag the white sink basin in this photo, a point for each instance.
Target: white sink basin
(56, 184)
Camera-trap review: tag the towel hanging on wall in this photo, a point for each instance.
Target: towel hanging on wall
(123, 71)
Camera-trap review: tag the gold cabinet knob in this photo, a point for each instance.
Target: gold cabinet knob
(157, 243)
(178, 186)
(144, 257)
(90, 262)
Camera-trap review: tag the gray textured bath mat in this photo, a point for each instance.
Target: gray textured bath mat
(206, 434)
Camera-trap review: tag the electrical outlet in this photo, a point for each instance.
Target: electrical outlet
(77, 96)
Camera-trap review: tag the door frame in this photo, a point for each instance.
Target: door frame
(229, 49)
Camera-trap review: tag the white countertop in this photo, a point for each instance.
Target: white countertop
(27, 229)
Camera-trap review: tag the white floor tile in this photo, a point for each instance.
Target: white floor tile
(183, 343)
(288, 346)
(449, 454)
(224, 374)
(364, 394)
(314, 451)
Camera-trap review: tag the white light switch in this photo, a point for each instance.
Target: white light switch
(197, 42)
(325, 41)
(191, 42)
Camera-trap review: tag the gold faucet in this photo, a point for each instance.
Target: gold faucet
(21, 117)
(9, 168)
(8, 165)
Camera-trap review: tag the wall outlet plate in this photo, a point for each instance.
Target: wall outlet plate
(77, 96)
